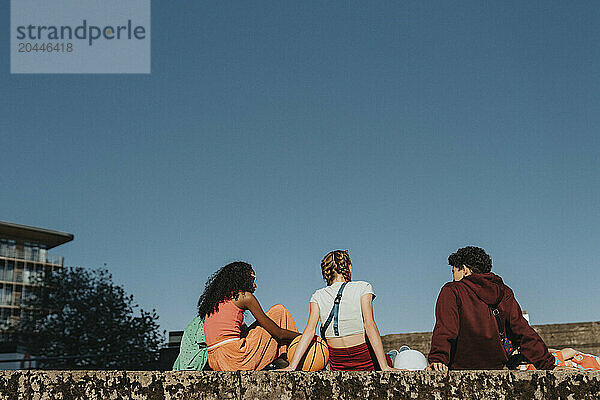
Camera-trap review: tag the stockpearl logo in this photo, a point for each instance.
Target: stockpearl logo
(80, 36)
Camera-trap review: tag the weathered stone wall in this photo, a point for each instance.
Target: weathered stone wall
(582, 336)
(483, 385)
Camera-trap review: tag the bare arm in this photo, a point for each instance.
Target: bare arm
(366, 305)
(247, 301)
(307, 337)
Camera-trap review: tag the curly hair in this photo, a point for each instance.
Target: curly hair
(225, 284)
(473, 257)
(337, 261)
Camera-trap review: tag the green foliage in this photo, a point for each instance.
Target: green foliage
(87, 314)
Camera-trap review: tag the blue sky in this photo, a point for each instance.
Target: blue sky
(274, 132)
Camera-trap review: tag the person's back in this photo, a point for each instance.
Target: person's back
(223, 324)
(466, 333)
(478, 346)
(345, 309)
(350, 312)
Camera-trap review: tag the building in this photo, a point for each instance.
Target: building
(168, 355)
(24, 258)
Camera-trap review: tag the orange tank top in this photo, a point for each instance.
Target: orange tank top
(225, 323)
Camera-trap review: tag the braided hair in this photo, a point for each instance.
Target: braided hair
(336, 262)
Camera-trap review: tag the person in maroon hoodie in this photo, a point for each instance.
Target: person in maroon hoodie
(466, 333)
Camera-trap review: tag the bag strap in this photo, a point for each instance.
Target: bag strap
(496, 314)
(334, 314)
(513, 357)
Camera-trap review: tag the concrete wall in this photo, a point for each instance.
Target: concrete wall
(583, 336)
(483, 385)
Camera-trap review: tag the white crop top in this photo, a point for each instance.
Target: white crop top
(350, 320)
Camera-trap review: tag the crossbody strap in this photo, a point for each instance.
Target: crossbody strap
(509, 349)
(496, 314)
(334, 314)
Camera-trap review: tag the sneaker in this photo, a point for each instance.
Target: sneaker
(277, 363)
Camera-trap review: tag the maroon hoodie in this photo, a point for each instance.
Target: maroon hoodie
(466, 333)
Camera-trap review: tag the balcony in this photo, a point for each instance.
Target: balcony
(29, 254)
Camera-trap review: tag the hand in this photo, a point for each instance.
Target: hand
(437, 367)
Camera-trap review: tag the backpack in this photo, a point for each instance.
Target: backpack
(192, 352)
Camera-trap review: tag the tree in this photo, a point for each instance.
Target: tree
(81, 315)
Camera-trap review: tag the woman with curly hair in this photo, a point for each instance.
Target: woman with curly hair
(350, 331)
(233, 346)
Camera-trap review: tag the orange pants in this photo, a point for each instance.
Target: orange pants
(255, 351)
(582, 361)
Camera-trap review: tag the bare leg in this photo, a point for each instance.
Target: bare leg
(569, 353)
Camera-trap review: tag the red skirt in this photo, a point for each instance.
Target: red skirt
(356, 358)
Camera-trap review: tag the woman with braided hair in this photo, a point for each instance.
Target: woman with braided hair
(348, 326)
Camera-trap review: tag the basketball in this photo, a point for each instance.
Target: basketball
(315, 358)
